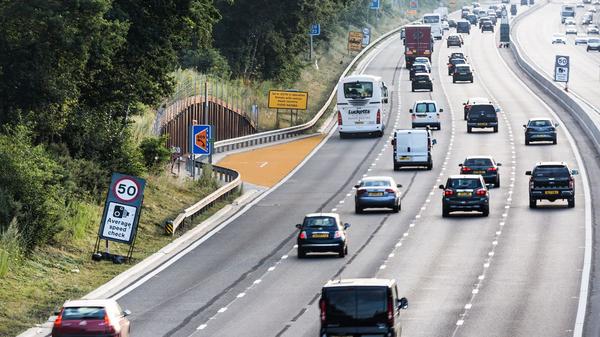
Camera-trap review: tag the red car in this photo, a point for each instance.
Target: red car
(91, 318)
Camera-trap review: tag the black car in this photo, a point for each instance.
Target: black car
(454, 40)
(462, 72)
(540, 130)
(487, 26)
(457, 55)
(482, 116)
(453, 62)
(422, 81)
(463, 26)
(465, 193)
(417, 68)
(322, 232)
(452, 23)
(472, 18)
(551, 181)
(482, 19)
(484, 166)
(361, 307)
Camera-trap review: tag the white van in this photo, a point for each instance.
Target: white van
(435, 21)
(426, 114)
(412, 148)
(362, 103)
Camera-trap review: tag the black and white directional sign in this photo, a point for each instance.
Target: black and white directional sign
(561, 68)
(122, 208)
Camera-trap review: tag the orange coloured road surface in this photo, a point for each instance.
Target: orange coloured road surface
(267, 166)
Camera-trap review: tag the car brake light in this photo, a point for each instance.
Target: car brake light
(303, 235)
(361, 192)
(492, 169)
(531, 184)
(466, 169)
(107, 325)
(389, 190)
(571, 183)
(323, 311)
(339, 118)
(378, 116)
(467, 107)
(413, 116)
(448, 192)
(337, 235)
(58, 320)
(390, 311)
(481, 192)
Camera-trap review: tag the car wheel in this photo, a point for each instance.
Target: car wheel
(471, 80)
(413, 89)
(396, 208)
(380, 133)
(527, 141)
(430, 165)
(342, 135)
(358, 209)
(445, 212)
(469, 129)
(431, 88)
(588, 49)
(554, 141)
(495, 129)
(439, 127)
(486, 210)
(453, 80)
(532, 203)
(465, 116)
(301, 253)
(342, 252)
(572, 202)
(497, 183)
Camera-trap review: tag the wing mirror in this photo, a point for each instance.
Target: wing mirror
(441, 110)
(433, 142)
(498, 164)
(126, 313)
(527, 173)
(410, 110)
(497, 109)
(403, 303)
(356, 186)
(398, 185)
(555, 125)
(299, 226)
(574, 172)
(461, 164)
(441, 187)
(346, 225)
(525, 126)
(385, 100)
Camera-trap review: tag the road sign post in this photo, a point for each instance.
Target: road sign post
(121, 215)
(315, 30)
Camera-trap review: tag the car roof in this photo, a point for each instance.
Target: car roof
(312, 215)
(425, 101)
(369, 282)
(477, 100)
(551, 163)
(540, 119)
(480, 157)
(377, 178)
(89, 303)
(354, 78)
(464, 176)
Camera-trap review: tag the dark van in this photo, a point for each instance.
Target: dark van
(463, 26)
(361, 307)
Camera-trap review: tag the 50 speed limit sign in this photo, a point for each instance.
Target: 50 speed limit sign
(126, 189)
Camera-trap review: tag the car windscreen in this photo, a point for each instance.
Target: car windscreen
(458, 61)
(593, 41)
(358, 89)
(356, 306)
(428, 19)
(478, 162)
(81, 313)
(488, 109)
(425, 107)
(457, 56)
(419, 67)
(319, 221)
(464, 183)
(422, 78)
(375, 183)
(540, 123)
(463, 70)
(551, 171)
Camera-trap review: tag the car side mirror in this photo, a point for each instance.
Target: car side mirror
(433, 142)
(56, 312)
(525, 126)
(356, 186)
(393, 142)
(441, 110)
(346, 225)
(126, 313)
(574, 172)
(398, 185)
(464, 103)
(403, 303)
(410, 110)
(527, 173)
(497, 109)
(498, 164)
(461, 164)
(299, 226)
(385, 100)
(441, 187)
(555, 125)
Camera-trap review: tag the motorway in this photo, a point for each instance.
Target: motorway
(534, 34)
(514, 273)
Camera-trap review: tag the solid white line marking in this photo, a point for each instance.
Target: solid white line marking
(240, 295)
(202, 327)
(222, 310)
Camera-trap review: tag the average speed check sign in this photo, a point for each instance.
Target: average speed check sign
(126, 189)
(561, 68)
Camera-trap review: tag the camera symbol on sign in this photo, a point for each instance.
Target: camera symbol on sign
(120, 212)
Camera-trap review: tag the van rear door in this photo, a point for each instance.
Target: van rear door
(411, 146)
(356, 307)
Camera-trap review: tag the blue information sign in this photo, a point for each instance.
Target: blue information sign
(375, 4)
(315, 29)
(122, 208)
(200, 137)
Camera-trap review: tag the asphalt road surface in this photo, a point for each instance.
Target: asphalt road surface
(514, 273)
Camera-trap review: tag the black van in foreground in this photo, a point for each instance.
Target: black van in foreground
(361, 307)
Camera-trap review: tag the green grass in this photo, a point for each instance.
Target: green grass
(34, 286)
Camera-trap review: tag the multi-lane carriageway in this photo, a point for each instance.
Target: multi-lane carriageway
(515, 273)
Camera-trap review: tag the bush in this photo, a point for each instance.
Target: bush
(10, 247)
(155, 152)
(32, 188)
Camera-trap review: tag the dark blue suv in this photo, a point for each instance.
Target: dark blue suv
(540, 130)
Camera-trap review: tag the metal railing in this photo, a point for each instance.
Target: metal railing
(233, 183)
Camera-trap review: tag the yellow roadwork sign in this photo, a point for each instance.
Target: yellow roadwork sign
(279, 99)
